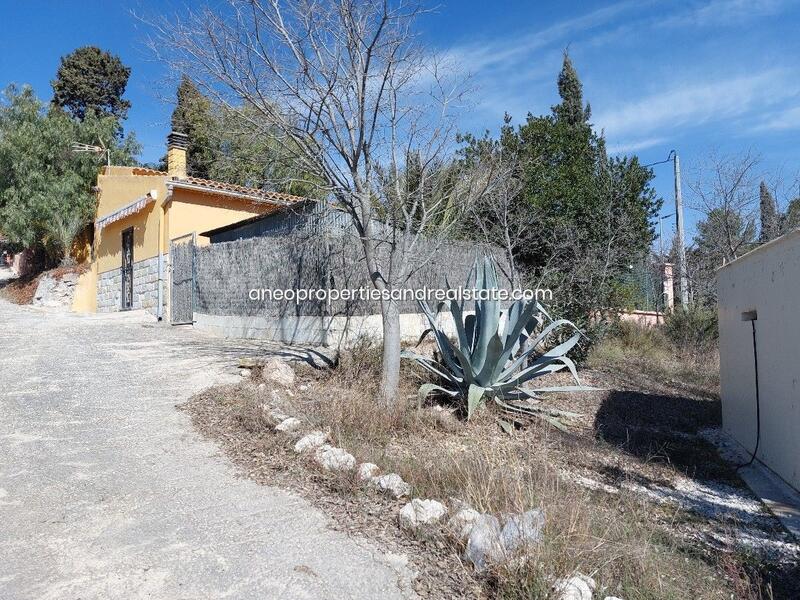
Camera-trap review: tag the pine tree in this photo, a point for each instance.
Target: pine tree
(770, 218)
(90, 79)
(791, 219)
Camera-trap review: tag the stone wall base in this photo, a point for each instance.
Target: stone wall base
(145, 287)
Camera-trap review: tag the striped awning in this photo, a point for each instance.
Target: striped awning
(123, 212)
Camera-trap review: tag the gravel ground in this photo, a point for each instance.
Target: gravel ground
(106, 491)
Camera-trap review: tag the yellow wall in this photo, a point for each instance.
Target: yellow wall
(81, 250)
(185, 212)
(118, 189)
(191, 211)
(85, 298)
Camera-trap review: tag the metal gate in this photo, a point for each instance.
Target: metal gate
(127, 269)
(181, 299)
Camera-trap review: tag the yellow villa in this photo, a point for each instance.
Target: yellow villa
(142, 213)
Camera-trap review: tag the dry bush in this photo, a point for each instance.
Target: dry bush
(343, 399)
(644, 356)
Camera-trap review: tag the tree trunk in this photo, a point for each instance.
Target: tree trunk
(390, 376)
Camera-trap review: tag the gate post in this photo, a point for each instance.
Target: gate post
(668, 289)
(182, 279)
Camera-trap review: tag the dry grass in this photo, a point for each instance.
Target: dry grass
(634, 549)
(644, 357)
(20, 291)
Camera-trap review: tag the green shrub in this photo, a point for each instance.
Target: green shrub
(694, 329)
(493, 358)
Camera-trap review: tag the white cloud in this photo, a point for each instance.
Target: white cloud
(631, 146)
(696, 103)
(516, 73)
(782, 120)
(504, 52)
(725, 12)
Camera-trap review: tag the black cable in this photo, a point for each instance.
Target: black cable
(661, 162)
(758, 402)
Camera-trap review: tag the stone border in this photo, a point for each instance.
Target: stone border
(488, 542)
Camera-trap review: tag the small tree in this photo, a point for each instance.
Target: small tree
(724, 191)
(351, 95)
(791, 218)
(503, 216)
(61, 231)
(45, 188)
(91, 80)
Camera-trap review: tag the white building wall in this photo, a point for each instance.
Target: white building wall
(766, 280)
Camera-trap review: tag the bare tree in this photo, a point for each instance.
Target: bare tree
(354, 96)
(725, 191)
(502, 216)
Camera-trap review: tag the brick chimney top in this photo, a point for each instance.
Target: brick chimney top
(177, 143)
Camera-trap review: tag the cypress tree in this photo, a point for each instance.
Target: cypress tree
(586, 204)
(193, 116)
(571, 109)
(791, 220)
(770, 218)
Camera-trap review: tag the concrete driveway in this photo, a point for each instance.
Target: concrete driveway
(107, 492)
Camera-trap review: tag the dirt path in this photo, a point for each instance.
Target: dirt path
(107, 492)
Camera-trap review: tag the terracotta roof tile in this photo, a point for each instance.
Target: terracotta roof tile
(266, 195)
(146, 171)
(219, 186)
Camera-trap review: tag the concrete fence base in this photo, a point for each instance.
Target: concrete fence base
(339, 331)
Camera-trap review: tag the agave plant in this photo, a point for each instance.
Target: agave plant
(497, 359)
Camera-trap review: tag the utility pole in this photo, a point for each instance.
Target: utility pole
(684, 284)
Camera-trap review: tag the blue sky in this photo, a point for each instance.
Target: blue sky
(700, 76)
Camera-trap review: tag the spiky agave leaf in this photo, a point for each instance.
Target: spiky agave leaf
(492, 359)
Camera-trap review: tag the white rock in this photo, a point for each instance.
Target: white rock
(522, 530)
(261, 386)
(278, 371)
(420, 513)
(277, 415)
(244, 372)
(393, 484)
(457, 504)
(302, 387)
(484, 547)
(334, 459)
(611, 598)
(310, 441)
(288, 425)
(462, 521)
(578, 587)
(367, 471)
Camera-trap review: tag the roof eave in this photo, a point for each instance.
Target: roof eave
(185, 185)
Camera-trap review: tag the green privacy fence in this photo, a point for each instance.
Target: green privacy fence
(641, 288)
